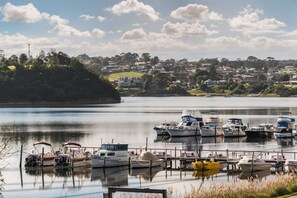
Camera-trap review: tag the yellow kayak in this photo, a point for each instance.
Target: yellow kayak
(205, 165)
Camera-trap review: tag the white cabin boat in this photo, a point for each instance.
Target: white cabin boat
(146, 160)
(212, 128)
(162, 128)
(190, 124)
(234, 128)
(285, 126)
(111, 155)
(73, 156)
(42, 155)
(249, 164)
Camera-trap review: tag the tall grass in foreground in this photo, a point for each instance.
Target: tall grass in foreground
(282, 184)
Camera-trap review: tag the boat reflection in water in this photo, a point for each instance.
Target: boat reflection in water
(254, 175)
(211, 140)
(286, 142)
(112, 176)
(205, 174)
(145, 173)
(235, 139)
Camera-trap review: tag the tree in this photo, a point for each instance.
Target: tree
(23, 58)
(155, 60)
(146, 57)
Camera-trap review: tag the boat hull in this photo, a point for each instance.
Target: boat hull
(247, 167)
(102, 162)
(183, 132)
(211, 132)
(207, 165)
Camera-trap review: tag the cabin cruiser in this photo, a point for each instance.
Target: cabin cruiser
(261, 131)
(42, 155)
(212, 128)
(250, 164)
(189, 125)
(73, 156)
(162, 128)
(286, 127)
(111, 155)
(290, 165)
(234, 128)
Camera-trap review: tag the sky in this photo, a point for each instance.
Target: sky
(191, 29)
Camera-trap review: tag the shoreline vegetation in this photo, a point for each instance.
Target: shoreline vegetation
(282, 185)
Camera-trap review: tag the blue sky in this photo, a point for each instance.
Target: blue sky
(165, 28)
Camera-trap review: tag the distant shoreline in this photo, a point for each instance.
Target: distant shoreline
(65, 103)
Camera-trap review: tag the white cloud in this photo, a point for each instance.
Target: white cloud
(65, 30)
(134, 6)
(54, 19)
(191, 29)
(134, 34)
(249, 21)
(195, 13)
(29, 14)
(101, 18)
(86, 17)
(25, 13)
(98, 33)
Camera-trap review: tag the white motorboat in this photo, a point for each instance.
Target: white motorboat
(234, 128)
(249, 164)
(73, 156)
(146, 160)
(42, 155)
(162, 128)
(212, 128)
(285, 126)
(111, 155)
(190, 124)
(261, 131)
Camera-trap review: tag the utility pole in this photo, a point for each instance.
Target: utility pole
(29, 53)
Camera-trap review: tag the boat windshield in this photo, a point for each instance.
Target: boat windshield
(115, 147)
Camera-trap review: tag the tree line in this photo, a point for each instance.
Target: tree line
(54, 77)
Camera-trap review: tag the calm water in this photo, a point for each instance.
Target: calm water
(131, 121)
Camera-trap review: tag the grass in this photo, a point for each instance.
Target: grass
(114, 76)
(282, 186)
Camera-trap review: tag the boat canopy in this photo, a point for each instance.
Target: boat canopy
(71, 144)
(43, 143)
(115, 147)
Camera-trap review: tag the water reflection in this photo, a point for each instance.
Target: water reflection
(145, 173)
(254, 175)
(286, 142)
(111, 176)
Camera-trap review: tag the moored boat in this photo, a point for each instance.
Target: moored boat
(146, 160)
(190, 124)
(73, 156)
(111, 155)
(234, 128)
(42, 155)
(205, 165)
(290, 165)
(162, 128)
(248, 163)
(285, 126)
(261, 131)
(212, 128)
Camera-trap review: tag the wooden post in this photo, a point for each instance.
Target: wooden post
(21, 156)
(42, 154)
(227, 154)
(252, 167)
(146, 142)
(72, 163)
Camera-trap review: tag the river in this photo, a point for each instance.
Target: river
(132, 122)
